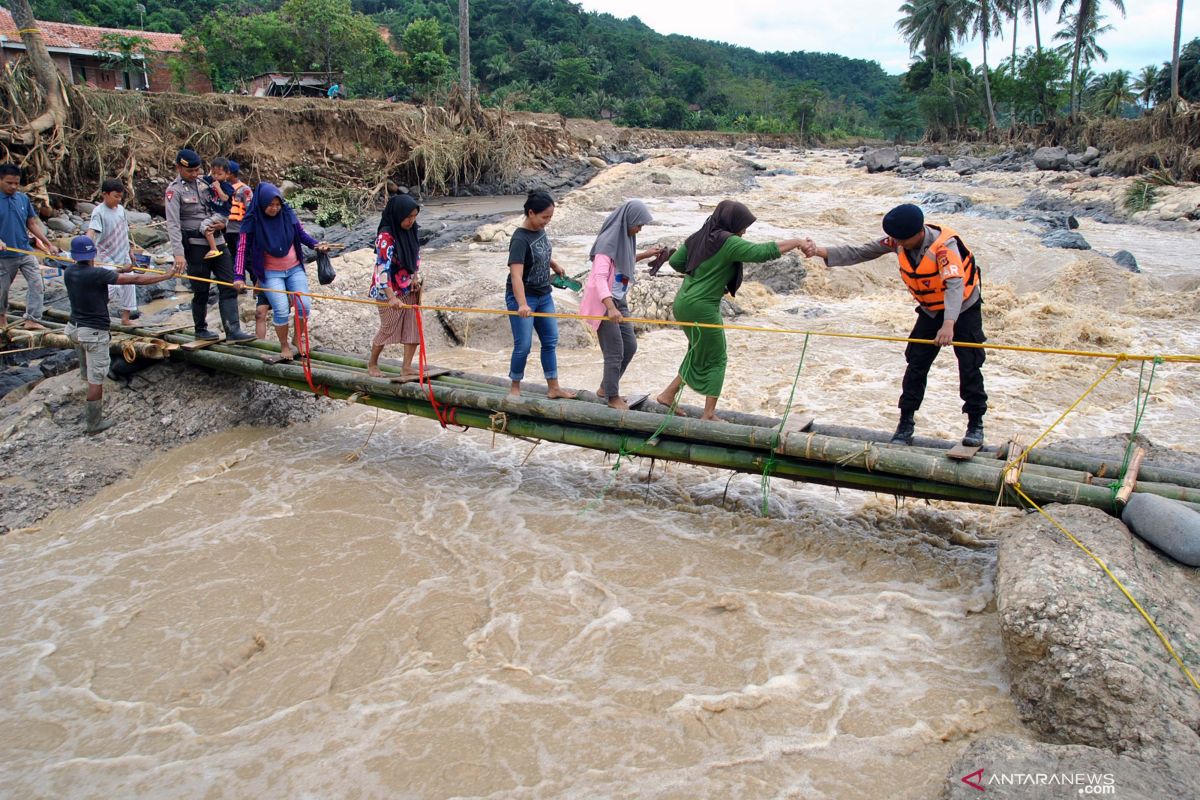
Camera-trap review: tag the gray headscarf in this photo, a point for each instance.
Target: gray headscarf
(614, 240)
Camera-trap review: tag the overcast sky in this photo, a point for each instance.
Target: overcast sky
(867, 28)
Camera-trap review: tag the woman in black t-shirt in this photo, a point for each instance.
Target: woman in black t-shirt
(527, 292)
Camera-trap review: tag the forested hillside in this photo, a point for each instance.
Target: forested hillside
(539, 55)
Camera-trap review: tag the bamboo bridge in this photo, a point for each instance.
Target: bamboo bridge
(796, 448)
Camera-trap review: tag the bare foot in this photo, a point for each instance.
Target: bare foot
(710, 417)
(32, 325)
(286, 353)
(664, 399)
(618, 403)
(374, 372)
(561, 394)
(409, 373)
(514, 394)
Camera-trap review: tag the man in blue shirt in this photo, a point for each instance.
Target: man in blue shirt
(18, 224)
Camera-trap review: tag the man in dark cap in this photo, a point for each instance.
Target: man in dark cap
(87, 290)
(940, 272)
(189, 202)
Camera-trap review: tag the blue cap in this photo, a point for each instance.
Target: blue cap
(83, 249)
(187, 158)
(234, 167)
(904, 222)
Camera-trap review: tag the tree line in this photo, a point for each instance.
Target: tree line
(551, 56)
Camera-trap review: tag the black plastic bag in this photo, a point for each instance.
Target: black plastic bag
(325, 273)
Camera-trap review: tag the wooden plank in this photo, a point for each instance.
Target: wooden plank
(960, 452)
(1131, 475)
(430, 373)
(200, 344)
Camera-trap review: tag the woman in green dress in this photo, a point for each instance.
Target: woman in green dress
(711, 260)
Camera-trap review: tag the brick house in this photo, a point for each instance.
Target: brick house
(79, 56)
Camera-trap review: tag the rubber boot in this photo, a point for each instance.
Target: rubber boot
(974, 435)
(200, 320)
(229, 319)
(905, 429)
(95, 417)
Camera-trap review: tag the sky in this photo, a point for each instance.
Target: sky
(867, 28)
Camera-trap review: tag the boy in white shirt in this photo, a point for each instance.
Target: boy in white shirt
(109, 229)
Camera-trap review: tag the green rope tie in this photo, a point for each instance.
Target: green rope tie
(775, 440)
(1140, 402)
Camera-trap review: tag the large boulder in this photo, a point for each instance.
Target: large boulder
(1068, 240)
(966, 165)
(1090, 156)
(1127, 260)
(1012, 769)
(783, 275)
(1050, 158)
(935, 161)
(1085, 667)
(881, 160)
(138, 217)
(147, 237)
(61, 224)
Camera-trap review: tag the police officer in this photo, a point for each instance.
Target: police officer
(940, 273)
(189, 202)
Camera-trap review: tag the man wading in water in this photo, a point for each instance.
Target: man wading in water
(940, 272)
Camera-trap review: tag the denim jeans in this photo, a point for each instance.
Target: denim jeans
(522, 330)
(294, 280)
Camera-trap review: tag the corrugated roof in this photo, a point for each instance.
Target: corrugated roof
(87, 37)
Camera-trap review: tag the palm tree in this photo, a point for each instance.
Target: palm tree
(1175, 56)
(933, 26)
(1085, 20)
(464, 47)
(984, 19)
(1144, 84)
(1112, 91)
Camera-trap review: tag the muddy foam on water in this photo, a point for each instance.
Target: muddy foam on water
(448, 615)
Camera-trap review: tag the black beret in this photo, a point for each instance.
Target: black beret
(903, 222)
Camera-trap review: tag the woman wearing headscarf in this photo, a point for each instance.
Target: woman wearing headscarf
(711, 260)
(614, 256)
(395, 282)
(272, 245)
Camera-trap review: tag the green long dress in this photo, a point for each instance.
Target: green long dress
(699, 300)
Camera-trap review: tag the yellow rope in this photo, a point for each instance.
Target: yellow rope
(1157, 631)
(1024, 453)
(1187, 358)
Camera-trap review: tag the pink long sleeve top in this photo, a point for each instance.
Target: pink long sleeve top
(599, 286)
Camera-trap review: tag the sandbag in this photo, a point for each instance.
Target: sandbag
(1167, 524)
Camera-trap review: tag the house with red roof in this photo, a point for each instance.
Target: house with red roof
(80, 55)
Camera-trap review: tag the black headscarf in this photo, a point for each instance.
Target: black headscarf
(407, 244)
(728, 219)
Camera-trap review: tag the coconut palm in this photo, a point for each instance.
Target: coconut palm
(1084, 23)
(1112, 91)
(984, 19)
(933, 26)
(1175, 55)
(1144, 84)
(464, 47)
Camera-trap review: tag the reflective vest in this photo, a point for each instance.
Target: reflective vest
(927, 280)
(237, 212)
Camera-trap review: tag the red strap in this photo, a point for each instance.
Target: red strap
(306, 359)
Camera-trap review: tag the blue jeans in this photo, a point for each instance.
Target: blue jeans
(522, 331)
(294, 280)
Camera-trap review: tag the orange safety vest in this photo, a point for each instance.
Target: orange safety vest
(927, 280)
(237, 212)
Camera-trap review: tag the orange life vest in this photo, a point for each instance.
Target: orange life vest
(926, 281)
(237, 212)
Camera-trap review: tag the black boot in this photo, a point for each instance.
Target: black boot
(974, 435)
(229, 319)
(200, 321)
(905, 429)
